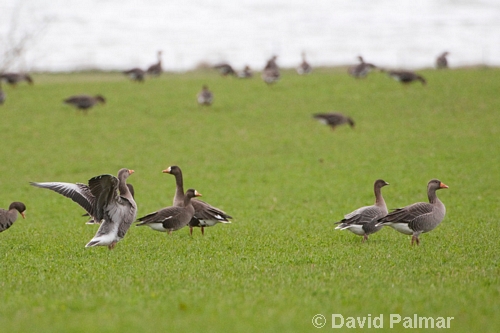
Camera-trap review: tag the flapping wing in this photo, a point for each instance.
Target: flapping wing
(79, 193)
(105, 190)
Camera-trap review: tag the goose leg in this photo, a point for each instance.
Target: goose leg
(365, 238)
(203, 231)
(191, 231)
(111, 246)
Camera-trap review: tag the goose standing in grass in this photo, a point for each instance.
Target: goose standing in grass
(3, 96)
(14, 78)
(441, 61)
(107, 199)
(246, 73)
(419, 217)
(333, 119)
(205, 96)
(271, 72)
(205, 215)
(135, 74)
(362, 69)
(406, 77)
(84, 102)
(8, 217)
(171, 218)
(156, 69)
(304, 67)
(225, 69)
(363, 220)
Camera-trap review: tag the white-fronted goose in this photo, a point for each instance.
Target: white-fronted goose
(115, 210)
(14, 78)
(171, 218)
(156, 69)
(271, 72)
(205, 96)
(363, 220)
(406, 77)
(225, 69)
(361, 70)
(246, 73)
(8, 217)
(419, 217)
(441, 61)
(333, 119)
(84, 102)
(135, 74)
(304, 67)
(205, 215)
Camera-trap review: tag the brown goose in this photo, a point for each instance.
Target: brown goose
(245, 73)
(333, 119)
(84, 102)
(205, 96)
(205, 215)
(171, 218)
(115, 210)
(361, 70)
(156, 69)
(8, 217)
(363, 220)
(304, 67)
(135, 74)
(225, 69)
(420, 217)
(406, 77)
(14, 78)
(271, 72)
(441, 61)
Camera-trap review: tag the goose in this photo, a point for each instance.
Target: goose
(245, 73)
(205, 96)
(84, 102)
(225, 69)
(8, 217)
(441, 61)
(205, 215)
(361, 70)
(419, 217)
(271, 72)
(171, 218)
(3, 96)
(14, 78)
(333, 119)
(107, 199)
(92, 220)
(135, 74)
(304, 67)
(406, 77)
(156, 69)
(362, 221)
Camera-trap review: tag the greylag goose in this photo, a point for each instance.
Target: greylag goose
(245, 73)
(271, 72)
(225, 69)
(205, 96)
(115, 210)
(419, 217)
(92, 221)
(171, 218)
(361, 70)
(14, 78)
(84, 102)
(406, 77)
(441, 61)
(333, 119)
(205, 215)
(135, 74)
(304, 67)
(363, 220)
(156, 69)
(8, 217)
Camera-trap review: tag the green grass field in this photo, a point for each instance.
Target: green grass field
(285, 178)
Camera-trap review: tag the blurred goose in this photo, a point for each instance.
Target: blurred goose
(14, 78)
(84, 102)
(135, 74)
(3, 96)
(171, 218)
(205, 96)
(406, 77)
(441, 61)
(334, 119)
(420, 217)
(245, 73)
(115, 210)
(225, 69)
(271, 72)
(156, 69)
(8, 217)
(304, 67)
(363, 220)
(362, 69)
(205, 215)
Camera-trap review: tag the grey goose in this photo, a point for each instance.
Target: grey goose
(205, 96)
(406, 77)
(156, 69)
(14, 78)
(271, 72)
(304, 67)
(361, 70)
(135, 74)
(8, 217)
(84, 102)
(441, 61)
(334, 119)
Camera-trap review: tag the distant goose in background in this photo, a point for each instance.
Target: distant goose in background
(171, 218)
(419, 217)
(333, 119)
(3, 96)
(205, 215)
(405, 77)
(14, 78)
(8, 217)
(363, 220)
(225, 69)
(205, 96)
(84, 102)
(135, 74)
(271, 72)
(304, 67)
(361, 70)
(107, 199)
(156, 69)
(245, 73)
(441, 61)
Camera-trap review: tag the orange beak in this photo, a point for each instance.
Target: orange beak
(166, 170)
(443, 185)
(197, 194)
(23, 215)
(131, 171)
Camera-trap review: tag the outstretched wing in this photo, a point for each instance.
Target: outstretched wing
(79, 193)
(105, 190)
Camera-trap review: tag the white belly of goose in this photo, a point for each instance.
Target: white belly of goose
(401, 227)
